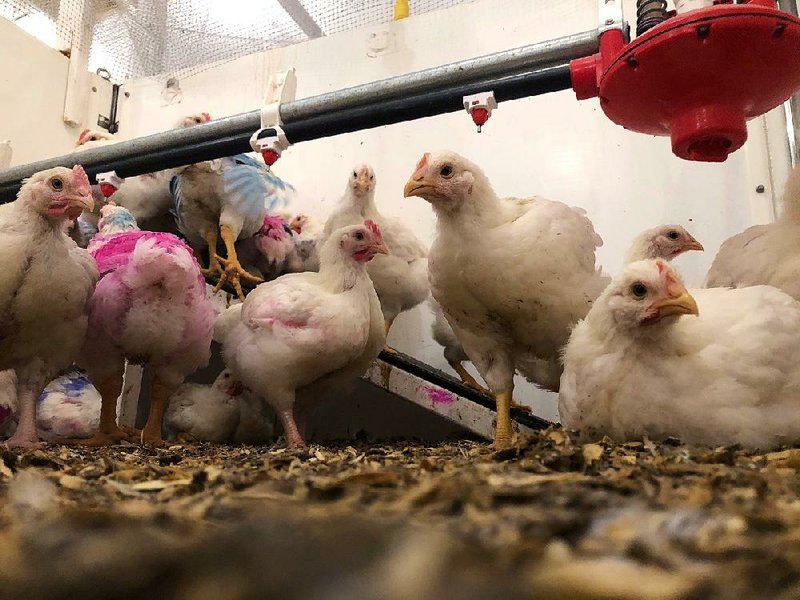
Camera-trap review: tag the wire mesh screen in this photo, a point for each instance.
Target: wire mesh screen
(138, 38)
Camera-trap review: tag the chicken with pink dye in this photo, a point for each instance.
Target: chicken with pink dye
(150, 306)
(308, 329)
(267, 252)
(45, 283)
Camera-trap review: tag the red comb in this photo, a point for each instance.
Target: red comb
(423, 161)
(373, 227)
(80, 176)
(83, 134)
(661, 266)
(206, 116)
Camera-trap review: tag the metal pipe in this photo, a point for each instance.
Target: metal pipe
(499, 64)
(380, 103)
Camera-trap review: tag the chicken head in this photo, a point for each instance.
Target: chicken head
(444, 179)
(192, 120)
(362, 180)
(298, 222)
(664, 241)
(648, 292)
(58, 194)
(362, 242)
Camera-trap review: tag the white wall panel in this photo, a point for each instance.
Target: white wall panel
(33, 83)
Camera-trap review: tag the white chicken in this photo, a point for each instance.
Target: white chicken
(86, 224)
(68, 406)
(224, 412)
(764, 254)
(45, 285)
(147, 196)
(266, 254)
(400, 278)
(308, 233)
(664, 241)
(225, 198)
(8, 402)
(637, 367)
(512, 276)
(307, 328)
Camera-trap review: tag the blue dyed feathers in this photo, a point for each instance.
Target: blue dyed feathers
(251, 189)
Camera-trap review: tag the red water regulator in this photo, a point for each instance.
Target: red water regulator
(109, 183)
(696, 76)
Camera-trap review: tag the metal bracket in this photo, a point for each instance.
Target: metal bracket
(110, 122)
(270, 141)
(282, 87)
(611, 16)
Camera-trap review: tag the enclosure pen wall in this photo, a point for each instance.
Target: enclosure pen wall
(399, 299)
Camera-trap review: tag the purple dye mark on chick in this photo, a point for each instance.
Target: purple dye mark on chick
(440, 396)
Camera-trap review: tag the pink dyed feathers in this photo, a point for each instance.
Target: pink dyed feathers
(113, 251)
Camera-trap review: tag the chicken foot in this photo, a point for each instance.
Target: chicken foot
(504, 432)
(233, 270)
(26, 435)
(159, 398)
(108, 433)
(214, 269)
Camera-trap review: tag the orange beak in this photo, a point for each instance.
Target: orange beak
(694, 245)
(419, 186)
(678, 301)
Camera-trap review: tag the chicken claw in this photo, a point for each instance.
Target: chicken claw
(214, 269)
(100, 438)
(21, 443)
(233, 273)
(387, 323)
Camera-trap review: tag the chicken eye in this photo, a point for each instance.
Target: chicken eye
(639, 290)
(57, 184)
(673, 235)
(371, 177)
(446, 171)
(355, 174)
(359, 236)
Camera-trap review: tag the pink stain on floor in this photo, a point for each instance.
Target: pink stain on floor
(440, 396)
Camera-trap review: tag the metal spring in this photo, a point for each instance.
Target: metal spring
(649, 13)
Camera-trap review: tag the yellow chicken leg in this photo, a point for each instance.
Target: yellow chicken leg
(159, 398)
(214, 269)
(471, 382)
(465, 376)
(233, 271)
(504, 433)
(387, 323)
(108, 433)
